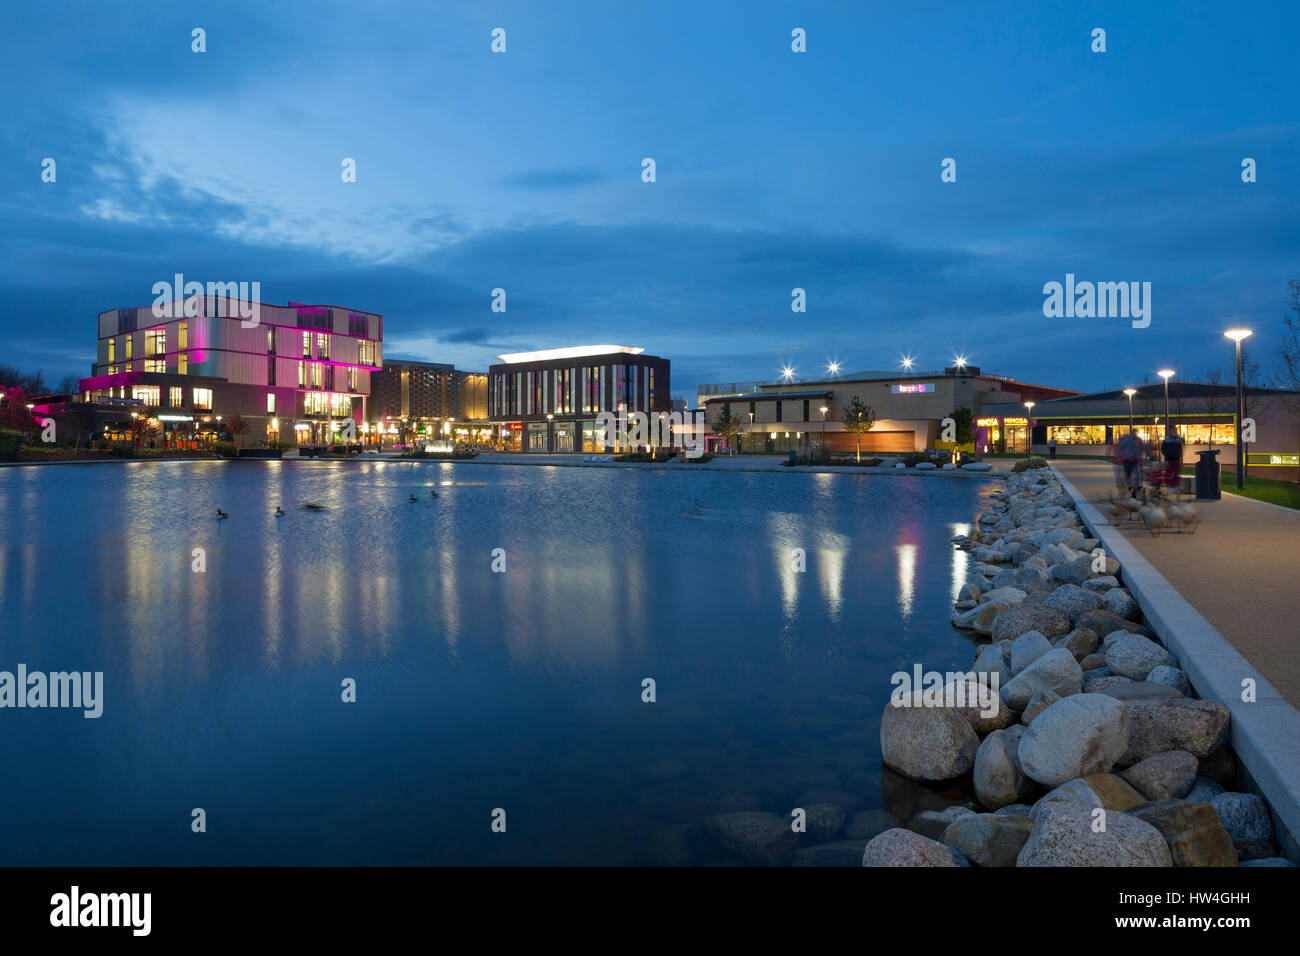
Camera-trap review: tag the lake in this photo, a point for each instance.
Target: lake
(475, 690)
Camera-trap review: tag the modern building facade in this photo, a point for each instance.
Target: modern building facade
(909, 408)
(295, 374)
(549, 400)
(429, 398)
(1203, 414)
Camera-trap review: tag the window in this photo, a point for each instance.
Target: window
(315, 374)
(130, 341)
(270, 340)
(155, 342)
(352, 379)
(306, 345)
(322, 346)
(366, 353)
(182, 364)
(302, 374)
(805, 409)
(145, 393)
(155, 365)
(777, 403)
(182, 335)
(270, 403)
(112, 351)
(203, 398)
(175, 396)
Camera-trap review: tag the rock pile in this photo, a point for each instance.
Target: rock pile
(1099, 755)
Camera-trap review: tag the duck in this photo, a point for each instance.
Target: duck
(279, 512)
(412, 497)
(432, 493)
(312, 506)
(221, 515)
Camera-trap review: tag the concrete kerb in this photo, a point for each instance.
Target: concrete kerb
(1265, 734)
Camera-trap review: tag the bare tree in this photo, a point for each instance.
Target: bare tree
(1288, 354)
(1216, 401)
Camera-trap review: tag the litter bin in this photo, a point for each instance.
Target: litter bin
(1207, 474)
(791, 458)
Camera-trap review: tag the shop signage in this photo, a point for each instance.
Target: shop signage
(914, 388)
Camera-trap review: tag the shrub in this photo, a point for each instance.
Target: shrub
(1023, 465)
(123, 449)
(225, 449)
(913, 459)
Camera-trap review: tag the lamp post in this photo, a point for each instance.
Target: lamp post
(550, 435)
(1029, 431)
(1130, 392)
(751, 429)
(1237, 335)
(1166, 374)
(824, 410)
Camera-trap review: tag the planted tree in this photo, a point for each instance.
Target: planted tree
(237, 428)
(728, 426)
(859, 419)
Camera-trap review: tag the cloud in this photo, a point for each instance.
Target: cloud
(554, 179)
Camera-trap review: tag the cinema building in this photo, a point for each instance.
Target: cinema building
(776, 418)
(549, 400)
(1203, 414)
(294, 376)
(430, 399)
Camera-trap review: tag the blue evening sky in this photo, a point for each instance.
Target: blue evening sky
(775, 170)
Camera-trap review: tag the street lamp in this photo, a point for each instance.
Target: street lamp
(549, 434)
(824, 410)
(1029, 431)
(1237, 335)
(1166, 374)
(833, 368)
(1130, 392)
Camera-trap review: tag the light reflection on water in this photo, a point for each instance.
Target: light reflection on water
(475, 689)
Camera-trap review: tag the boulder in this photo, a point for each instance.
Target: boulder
(759, 837)
(1073, 601)
(1192, 831)
(927, 743)
(1037, 704)
(1121, 603)
(1003, 595)
(1026, 649)
(1171, 677)
(1221, 767)
(898, 847)
(1203, 790)
(985, 617)
(1244, 815)
(1103, 621)
(1080, 642)
(823, 821)
(1104, 790)
(993, 659)
(1074, 737)
(986, 839)
(1030, 617)
(1093, 662)
(1163, 776)
(1056, 671)
(933, 823)
(999, 779)
(1014, 810)
(1198, 726)
(1063, 835)
(1095, 681)
(1101, 584)
(1133, 656)
(1133, 690)
(848, 802)
(983, 709)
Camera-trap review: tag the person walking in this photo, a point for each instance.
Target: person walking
(1051, 447)
(1128, 454)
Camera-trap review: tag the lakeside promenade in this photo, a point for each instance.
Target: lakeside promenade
(1240, 570)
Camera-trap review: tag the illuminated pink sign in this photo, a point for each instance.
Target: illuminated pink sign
(912, 389)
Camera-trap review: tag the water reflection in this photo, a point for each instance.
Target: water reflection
(475, 688)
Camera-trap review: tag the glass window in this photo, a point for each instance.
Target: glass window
(145, 393)
(182, 335)
(155, 365)
(270, 340)
(182, 364)
(270, 403)
(322, 345)
(155, 342)
(130, 342)
(315, 375)
(306, 345)
(175, 396)
(112, 350)
(203, 398)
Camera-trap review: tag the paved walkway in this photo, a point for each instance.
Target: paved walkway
(724, 463)
(1240, 570)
